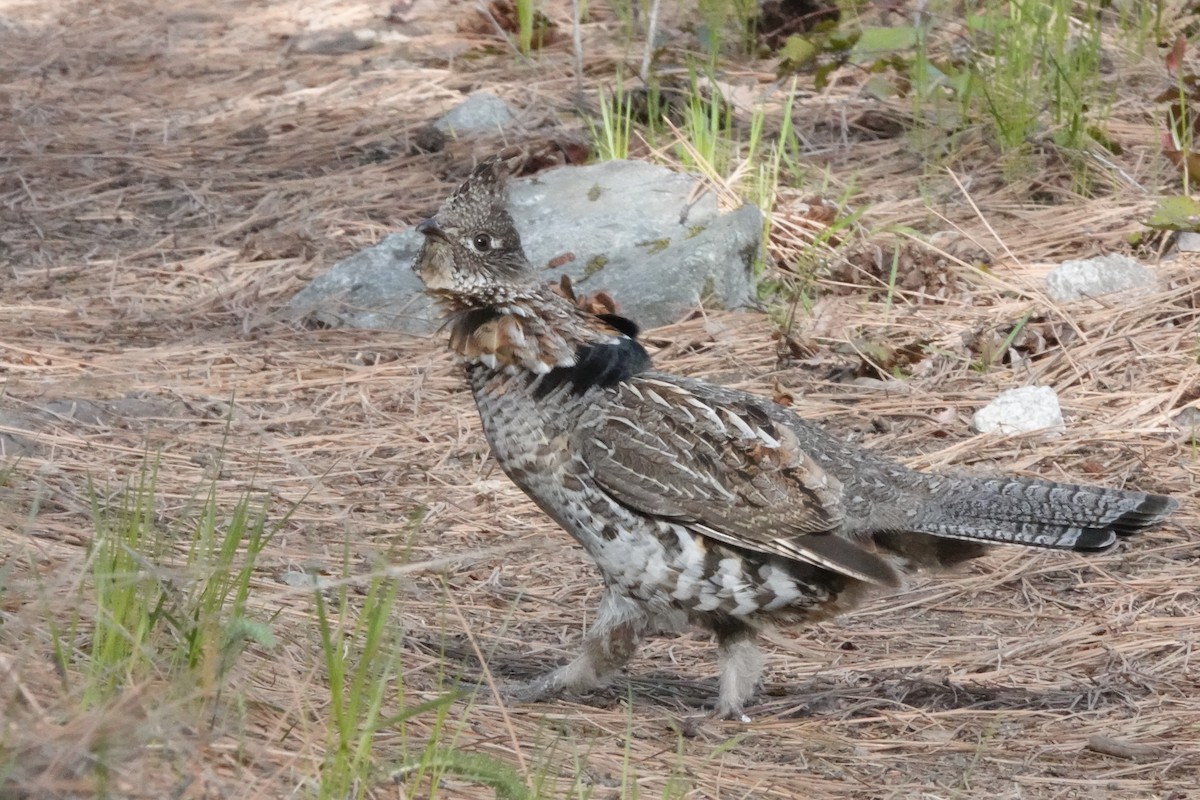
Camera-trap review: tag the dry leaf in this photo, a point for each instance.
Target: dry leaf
(781, 395)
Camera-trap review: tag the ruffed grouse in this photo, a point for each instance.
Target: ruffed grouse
(702, 504)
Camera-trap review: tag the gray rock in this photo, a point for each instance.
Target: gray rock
(481, 112)
(19, 431)
(1187, 242)
(374, 288)
(623, 227)
(1092, 277)
(86, 412)
(16, 435)
(1187, 423)
(1029, 408)
(335, 43)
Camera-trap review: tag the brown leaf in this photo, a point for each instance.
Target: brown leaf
(562, 259)
(1185, 160)
(1174, 58)
(820, 211)
(564, 288)
(598, 303)
(531, 157)
(781, 395)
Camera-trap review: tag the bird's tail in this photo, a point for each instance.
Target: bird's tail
(1040, 513)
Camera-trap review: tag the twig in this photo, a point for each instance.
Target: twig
(514, 740)
(1121, 748)
(577, 44)
(651, 32)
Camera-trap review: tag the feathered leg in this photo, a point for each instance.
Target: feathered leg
(621, 623)
(741, 666)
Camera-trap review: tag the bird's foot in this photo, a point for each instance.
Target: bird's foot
(697, 725)
(731, 713)
(545, 687)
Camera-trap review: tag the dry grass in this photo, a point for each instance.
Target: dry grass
(170, 176)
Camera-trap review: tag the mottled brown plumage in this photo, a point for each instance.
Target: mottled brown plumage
(701, 504)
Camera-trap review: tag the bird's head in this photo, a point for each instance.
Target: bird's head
(472, 252)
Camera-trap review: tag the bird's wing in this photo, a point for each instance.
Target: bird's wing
(724, 470)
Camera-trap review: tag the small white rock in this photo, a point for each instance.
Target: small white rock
(1029, 408)
(1092, 277)
(305, 580)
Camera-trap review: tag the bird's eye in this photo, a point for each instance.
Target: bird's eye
(482, 242)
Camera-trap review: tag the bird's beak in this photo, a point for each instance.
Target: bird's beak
(429, 228)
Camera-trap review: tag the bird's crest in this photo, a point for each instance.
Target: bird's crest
(487, 184)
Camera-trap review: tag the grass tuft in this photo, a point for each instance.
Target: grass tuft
(362, 656)
(152, 619)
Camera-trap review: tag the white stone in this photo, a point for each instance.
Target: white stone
(1029, 408)
(1093, 277)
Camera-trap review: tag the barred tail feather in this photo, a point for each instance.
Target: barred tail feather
(1043, 514)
